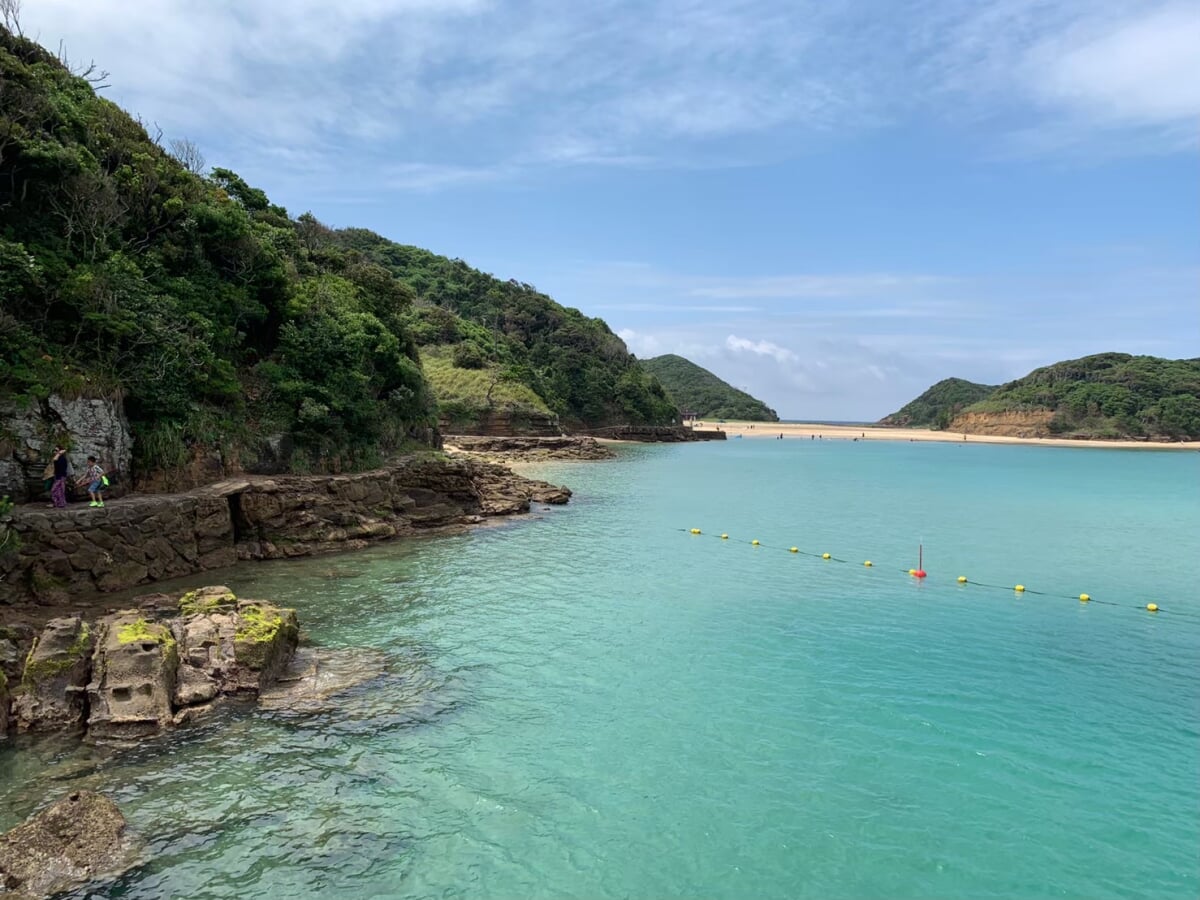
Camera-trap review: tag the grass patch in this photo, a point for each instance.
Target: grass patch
(469, 387)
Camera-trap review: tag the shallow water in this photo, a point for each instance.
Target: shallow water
(596, 703)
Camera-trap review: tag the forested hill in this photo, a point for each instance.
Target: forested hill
(940, 404)
(225, 323)
(698, 390)
(125, 274)
(1109, 395)
(529, 351)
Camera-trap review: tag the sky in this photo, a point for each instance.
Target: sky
(830, 204)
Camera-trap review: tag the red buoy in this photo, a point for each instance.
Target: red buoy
(920, 573)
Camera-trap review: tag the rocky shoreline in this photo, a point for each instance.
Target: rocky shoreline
(64, 555)
(131, 675)
(522, 449)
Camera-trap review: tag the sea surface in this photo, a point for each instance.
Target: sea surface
(596, 703)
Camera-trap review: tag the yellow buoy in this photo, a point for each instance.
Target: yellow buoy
(1153, 607)
(826, 556)
(1020, 589)
(962, 579)
(912, 571)
(724, 537)
(695, 531)
(754, 542)
(793, 549)
(868, 563)
(1084, 598)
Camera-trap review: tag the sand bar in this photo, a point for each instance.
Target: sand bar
(813, 431)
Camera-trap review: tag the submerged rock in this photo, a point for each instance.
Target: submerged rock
(134, 678)
(80, 838)
(315, 675)
(56, 671)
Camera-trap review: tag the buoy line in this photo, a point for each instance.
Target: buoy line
(961, 580)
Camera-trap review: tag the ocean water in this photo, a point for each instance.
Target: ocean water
(596, 703)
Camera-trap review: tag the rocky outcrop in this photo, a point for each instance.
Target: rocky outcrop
(505, 422)
(79, 839)
(230, 646)
(149, 671)
(5, 703)
(1031, 423)
(88, 426)
(657, 434)
(527, 449)
(51, 694)
(133, 678)
(147, 538)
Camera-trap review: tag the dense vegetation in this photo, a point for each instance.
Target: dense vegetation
(573, 365)
(1109, 395)
(196, 299)
(220, 320)
(938, 406)
(698, 390)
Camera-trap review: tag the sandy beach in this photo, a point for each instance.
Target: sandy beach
(814, 431)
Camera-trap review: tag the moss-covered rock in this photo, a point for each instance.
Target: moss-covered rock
(265, 638)
(207, 600)
(56, 670)
(134, 678)
(142, 631)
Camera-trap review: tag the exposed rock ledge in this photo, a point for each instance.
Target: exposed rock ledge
(79, 839)
(66, 554)
(527, 449)
(134, 673)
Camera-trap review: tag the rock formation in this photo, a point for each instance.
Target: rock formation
(79, 839)
(133, 678)
(134, 675)
(88, 426)
(51, 694)
(146, 538)
(521, 449)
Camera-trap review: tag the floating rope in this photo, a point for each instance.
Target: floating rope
(962, 580)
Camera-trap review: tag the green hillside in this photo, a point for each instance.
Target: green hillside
(223, 322)
(579, 369)
(194, 298)
(698, 390)
(940, 404)
(1109, 395)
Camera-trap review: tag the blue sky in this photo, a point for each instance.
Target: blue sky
(830, 204)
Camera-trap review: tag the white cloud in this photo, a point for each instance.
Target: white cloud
(1141, 70)
(452, 86)
(762, 348)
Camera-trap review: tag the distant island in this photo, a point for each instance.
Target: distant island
(1108, 396)
(695, 389)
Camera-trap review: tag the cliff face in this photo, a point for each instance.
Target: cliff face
(1034, 423)
(147, 538)
(89, 427)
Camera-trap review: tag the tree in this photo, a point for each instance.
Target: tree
(188, 155)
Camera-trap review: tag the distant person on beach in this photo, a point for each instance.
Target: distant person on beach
(95, 479)
(58, 488)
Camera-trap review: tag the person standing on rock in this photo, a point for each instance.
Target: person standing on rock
(58, 490)
(94, 478)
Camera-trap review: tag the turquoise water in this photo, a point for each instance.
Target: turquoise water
(596, 703)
